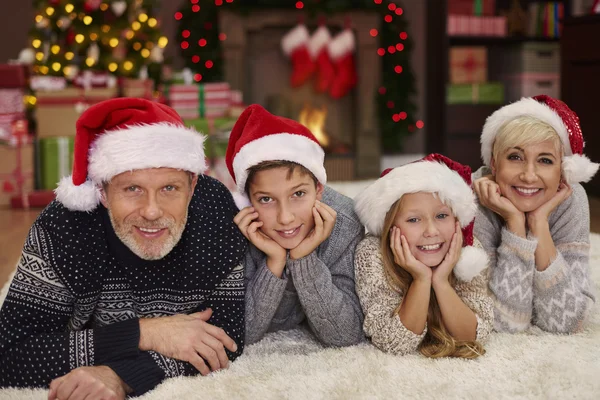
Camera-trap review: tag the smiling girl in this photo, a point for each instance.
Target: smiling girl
(533, 219)
(418, 286)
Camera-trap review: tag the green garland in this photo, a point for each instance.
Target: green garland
(397, 91)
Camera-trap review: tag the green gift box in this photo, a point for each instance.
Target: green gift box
(56, 160)
(476, 93)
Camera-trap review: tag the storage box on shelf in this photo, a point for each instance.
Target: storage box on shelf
(530, 84)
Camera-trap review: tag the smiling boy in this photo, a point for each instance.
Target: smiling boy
(299, 267)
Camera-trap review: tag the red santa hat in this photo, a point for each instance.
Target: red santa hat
(435, 173)
(575, 165)
(259, 136)
(126, 134)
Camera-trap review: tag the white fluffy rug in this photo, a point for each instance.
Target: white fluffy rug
(291, 365)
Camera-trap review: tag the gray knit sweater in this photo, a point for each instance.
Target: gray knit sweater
(557, 299)
(318, 288)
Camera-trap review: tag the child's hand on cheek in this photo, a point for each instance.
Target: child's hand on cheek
(442, 272)
(248, 223)
(325, 217)
(404, 257)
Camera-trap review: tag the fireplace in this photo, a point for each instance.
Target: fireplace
(256, 65)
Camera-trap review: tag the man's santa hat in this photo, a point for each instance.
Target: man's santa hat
(576, 166)
(259, 136)
(451, 183)
(126, 134)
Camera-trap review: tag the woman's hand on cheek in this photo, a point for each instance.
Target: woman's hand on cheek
(541, 214)
(405, 259)
(442, 272)
(488, 193)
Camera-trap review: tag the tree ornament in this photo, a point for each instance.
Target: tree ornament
(27, 56)
(65, 23)
(94, 52)
(43, 23)
(91, 5)
(71, 72)
(118, 7)
(156, 55)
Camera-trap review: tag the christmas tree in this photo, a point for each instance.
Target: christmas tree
(201, 50)
(70, 36)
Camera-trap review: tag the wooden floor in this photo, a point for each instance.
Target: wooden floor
(16, 223)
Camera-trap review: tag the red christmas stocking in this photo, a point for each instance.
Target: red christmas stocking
(317, 47)
(341, 51)
(295, 46)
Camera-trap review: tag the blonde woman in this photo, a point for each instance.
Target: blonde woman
(419, 288)
(533, 219)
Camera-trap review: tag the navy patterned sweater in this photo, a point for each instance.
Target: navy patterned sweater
(79, 292)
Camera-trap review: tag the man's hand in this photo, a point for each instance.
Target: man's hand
(247, 222)
(404, 257)
(325, 217)
(89, 383)
(188, 338)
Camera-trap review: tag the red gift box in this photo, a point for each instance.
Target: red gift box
(468, 64)
(471, 7)
(14, 76)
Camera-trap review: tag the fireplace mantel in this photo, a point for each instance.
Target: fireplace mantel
(239, 47)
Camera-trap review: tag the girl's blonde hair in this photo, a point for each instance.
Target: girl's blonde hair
(437, 342)
(523, 131)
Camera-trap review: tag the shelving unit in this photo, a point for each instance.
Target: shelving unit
(455, 129)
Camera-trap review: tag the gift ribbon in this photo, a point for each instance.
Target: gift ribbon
(477, 7)
(64, 156)
(201, 103)
(475, 93)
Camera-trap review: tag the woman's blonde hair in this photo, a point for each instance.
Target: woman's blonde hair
(437, 342)
(523, 131)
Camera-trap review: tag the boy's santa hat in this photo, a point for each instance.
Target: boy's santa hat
(126, 134)
(576, 166)
(449, 180)
(259, 136)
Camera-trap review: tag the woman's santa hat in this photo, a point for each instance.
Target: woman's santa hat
(259, 136)
(451, 183)
(576, 166)
(126, 134)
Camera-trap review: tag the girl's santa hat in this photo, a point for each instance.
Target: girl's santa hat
(259, 136)
(451, 183)
(126, 134)
(575, 165)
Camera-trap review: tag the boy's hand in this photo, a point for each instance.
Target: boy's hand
(325, 217)
(247, 222)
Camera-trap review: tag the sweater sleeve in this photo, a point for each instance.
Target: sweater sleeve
(512, 267)
(475, 295)
(380, 303)
(37, 343)
(562, 293)
(263, 296)
(327, 291)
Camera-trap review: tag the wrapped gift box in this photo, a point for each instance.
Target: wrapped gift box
(14, 76)
(56, 160)
(200, 100)
(11, 176)
(468, 64)
(472, 7)
(467, 25)
(11, 109)
(58, 110)
(476, 93)
(141, 88)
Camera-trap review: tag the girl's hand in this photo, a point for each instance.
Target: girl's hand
(442, 272)
(404, 257)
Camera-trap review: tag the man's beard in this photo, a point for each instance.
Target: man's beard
(152, 249)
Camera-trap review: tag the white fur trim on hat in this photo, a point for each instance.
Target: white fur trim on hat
(525, 106)
(472, 261)
(373, 203)
(295, 38)
(84, 197)
(578, 168)
(319, 40)
(161, 145)
(279, 147)
(341, 45)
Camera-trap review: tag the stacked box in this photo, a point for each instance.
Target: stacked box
(472, 7)
(531, 57)
(56, 160)
(200, 100)
(476, 93)
(15, 177)
(141, 88)
(468, 64)
(12, 109)
(58, 110)
(529, 84)
(468, 25)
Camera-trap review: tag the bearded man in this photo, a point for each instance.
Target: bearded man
(133, 274)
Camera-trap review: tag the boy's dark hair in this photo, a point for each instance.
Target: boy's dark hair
(265, 165)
